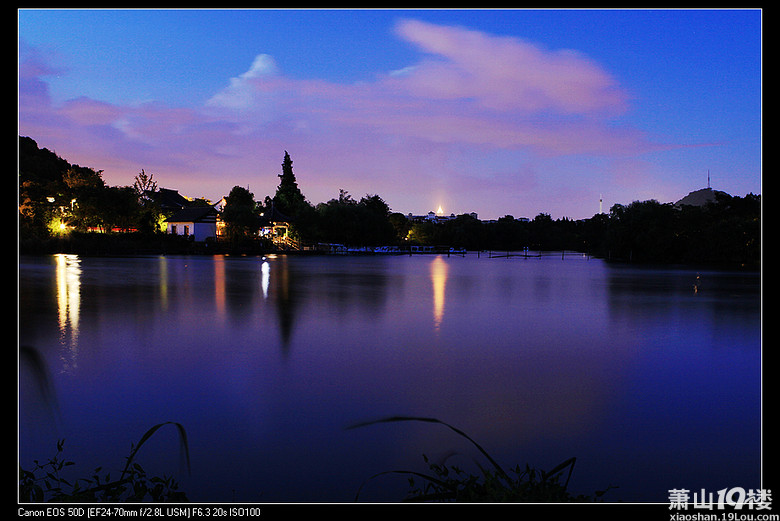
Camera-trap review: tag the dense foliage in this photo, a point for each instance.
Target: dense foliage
(50, 482)
(240, 213)
(55, 195)
(492, 484)
(726, 232)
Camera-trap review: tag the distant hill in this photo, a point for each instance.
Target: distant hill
(700, 197)
(39, 164)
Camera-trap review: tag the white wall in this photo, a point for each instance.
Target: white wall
(199, 231)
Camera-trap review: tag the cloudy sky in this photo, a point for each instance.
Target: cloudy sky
(499, 112)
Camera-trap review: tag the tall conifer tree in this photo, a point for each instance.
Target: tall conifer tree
(289, 199)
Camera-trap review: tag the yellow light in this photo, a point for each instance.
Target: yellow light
(58, 226)
(439, 279)
(68, 274)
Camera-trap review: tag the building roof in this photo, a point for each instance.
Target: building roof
(193, 214)
(168, 199)
(275, 216)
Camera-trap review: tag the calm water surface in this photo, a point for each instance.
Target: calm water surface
(649, 383)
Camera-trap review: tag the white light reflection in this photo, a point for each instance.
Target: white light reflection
(439, 279)
(68, 303)
(265, 269)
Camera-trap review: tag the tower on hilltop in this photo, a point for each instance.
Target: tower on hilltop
(701, 196)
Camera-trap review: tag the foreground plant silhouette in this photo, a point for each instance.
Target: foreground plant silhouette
(133, 485)
(449, 483)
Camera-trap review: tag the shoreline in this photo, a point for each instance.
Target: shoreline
(111, 246)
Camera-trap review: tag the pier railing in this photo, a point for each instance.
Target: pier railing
(532, 254)
(340, 249)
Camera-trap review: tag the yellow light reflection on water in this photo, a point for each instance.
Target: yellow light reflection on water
(68, 272)
(219, 285)
(439, 279)
(163, 282)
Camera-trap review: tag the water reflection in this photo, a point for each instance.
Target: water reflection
(283, 282)
(265, 269)
(439, 279)
(625, 369)
(241, 288)
(163, 282)
(68, 305)
(703, 302)
(219, 285)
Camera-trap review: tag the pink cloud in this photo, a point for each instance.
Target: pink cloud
(86, 111)
(504, 73)
(476, 89)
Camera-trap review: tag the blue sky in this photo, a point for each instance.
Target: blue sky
(497, 112)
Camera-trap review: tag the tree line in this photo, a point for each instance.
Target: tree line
(55, 195)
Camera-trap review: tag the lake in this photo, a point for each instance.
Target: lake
(650, 377)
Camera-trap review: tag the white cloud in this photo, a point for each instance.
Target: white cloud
(242, 93)
(263, 65)
(405, 71)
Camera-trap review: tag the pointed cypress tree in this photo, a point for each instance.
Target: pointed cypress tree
(289, 199)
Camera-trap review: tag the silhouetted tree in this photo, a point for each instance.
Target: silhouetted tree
(240, 214)
(401, 225)
(150, 214)
(144, 184)
(355, 223)
(465, 231)
(374, 221)
(288, 199)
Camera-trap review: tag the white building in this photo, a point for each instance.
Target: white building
(200, 223)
